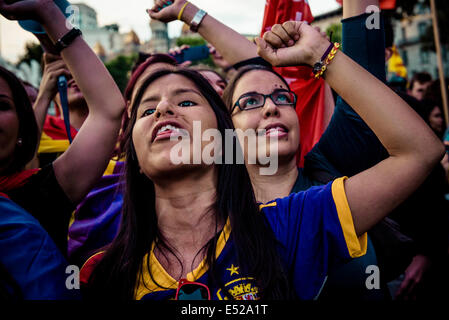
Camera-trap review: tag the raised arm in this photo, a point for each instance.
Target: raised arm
(232, 46)
(412, 147)
(86, 159)
(349, 146)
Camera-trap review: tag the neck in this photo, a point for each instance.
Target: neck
(78, 116)
(279, 185)
(185, 210)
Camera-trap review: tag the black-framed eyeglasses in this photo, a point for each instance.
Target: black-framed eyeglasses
(254, 100)
(188, 290)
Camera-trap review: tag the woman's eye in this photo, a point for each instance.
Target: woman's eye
(187, 104)
(249, 102)
(283, 98)
(148, 112)
(4, 106)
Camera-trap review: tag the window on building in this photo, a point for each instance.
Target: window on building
(404, 34)
(424, 56)
(422, 28)
(404, 56)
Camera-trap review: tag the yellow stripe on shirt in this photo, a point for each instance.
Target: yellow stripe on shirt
(356, 245)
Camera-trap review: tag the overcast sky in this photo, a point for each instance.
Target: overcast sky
(244, 16)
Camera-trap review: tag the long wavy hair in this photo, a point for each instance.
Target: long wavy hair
(115, 276)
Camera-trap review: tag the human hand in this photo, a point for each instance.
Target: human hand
(218, 58)
(53, 69)
(166, 10)
(413, 278)
(291, 44)
(25, 9)
(178, 50)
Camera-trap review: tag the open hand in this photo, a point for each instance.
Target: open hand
(291, 44)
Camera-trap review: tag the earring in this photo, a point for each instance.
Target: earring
(19, 142)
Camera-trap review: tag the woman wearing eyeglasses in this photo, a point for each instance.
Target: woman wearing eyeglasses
(201, 222)
(347, 147)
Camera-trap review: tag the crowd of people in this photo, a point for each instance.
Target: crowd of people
(373, 192)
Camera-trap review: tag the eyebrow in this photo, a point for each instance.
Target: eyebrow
(176, 92)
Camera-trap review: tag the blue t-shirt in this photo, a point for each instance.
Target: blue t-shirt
(315, 230)
(31, 257)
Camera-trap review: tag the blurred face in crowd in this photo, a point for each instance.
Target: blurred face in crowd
(168, 108)
(216, 82)
(436, 120)
(9, 125)
(278, 120)
(419, 89)
(75, 97)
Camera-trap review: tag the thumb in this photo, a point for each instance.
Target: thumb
(265, 51)
(153, 14)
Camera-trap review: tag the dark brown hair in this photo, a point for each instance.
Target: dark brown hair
(28, 130)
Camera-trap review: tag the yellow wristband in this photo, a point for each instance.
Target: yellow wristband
(182, 10)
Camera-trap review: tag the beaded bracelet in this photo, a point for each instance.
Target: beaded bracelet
(320, 67)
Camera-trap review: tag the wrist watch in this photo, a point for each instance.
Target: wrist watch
(196, 21)
(67, 39)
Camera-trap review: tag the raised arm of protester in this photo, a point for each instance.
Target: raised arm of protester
(232, 46)
(54, 67)
(373, 193)
(85, 161)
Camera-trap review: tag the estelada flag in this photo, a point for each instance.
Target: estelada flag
(384, 4)
(310, 107)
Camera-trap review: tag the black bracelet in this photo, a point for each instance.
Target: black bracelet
(67, 39)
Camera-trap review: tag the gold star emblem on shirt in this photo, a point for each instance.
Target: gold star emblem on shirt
(233, 269)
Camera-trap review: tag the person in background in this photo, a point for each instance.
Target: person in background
(53, 136)
(419, 84)
(52, 193)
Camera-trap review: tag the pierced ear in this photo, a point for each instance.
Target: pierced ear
(20, 142)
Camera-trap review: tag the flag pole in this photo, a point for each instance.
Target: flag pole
(436, 34)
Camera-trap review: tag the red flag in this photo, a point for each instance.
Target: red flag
(310, 106)
(54, 127)
(384, 4)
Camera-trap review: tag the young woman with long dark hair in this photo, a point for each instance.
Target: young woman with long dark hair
(201, 222)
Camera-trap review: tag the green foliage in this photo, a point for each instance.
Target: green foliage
(195, 41)
(120, 68)
(336, 30)
(33, 51)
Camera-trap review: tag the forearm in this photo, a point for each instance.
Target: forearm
(391, 119)
(232, 46)
(40, 111)
(99, 89)
(353, 8)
